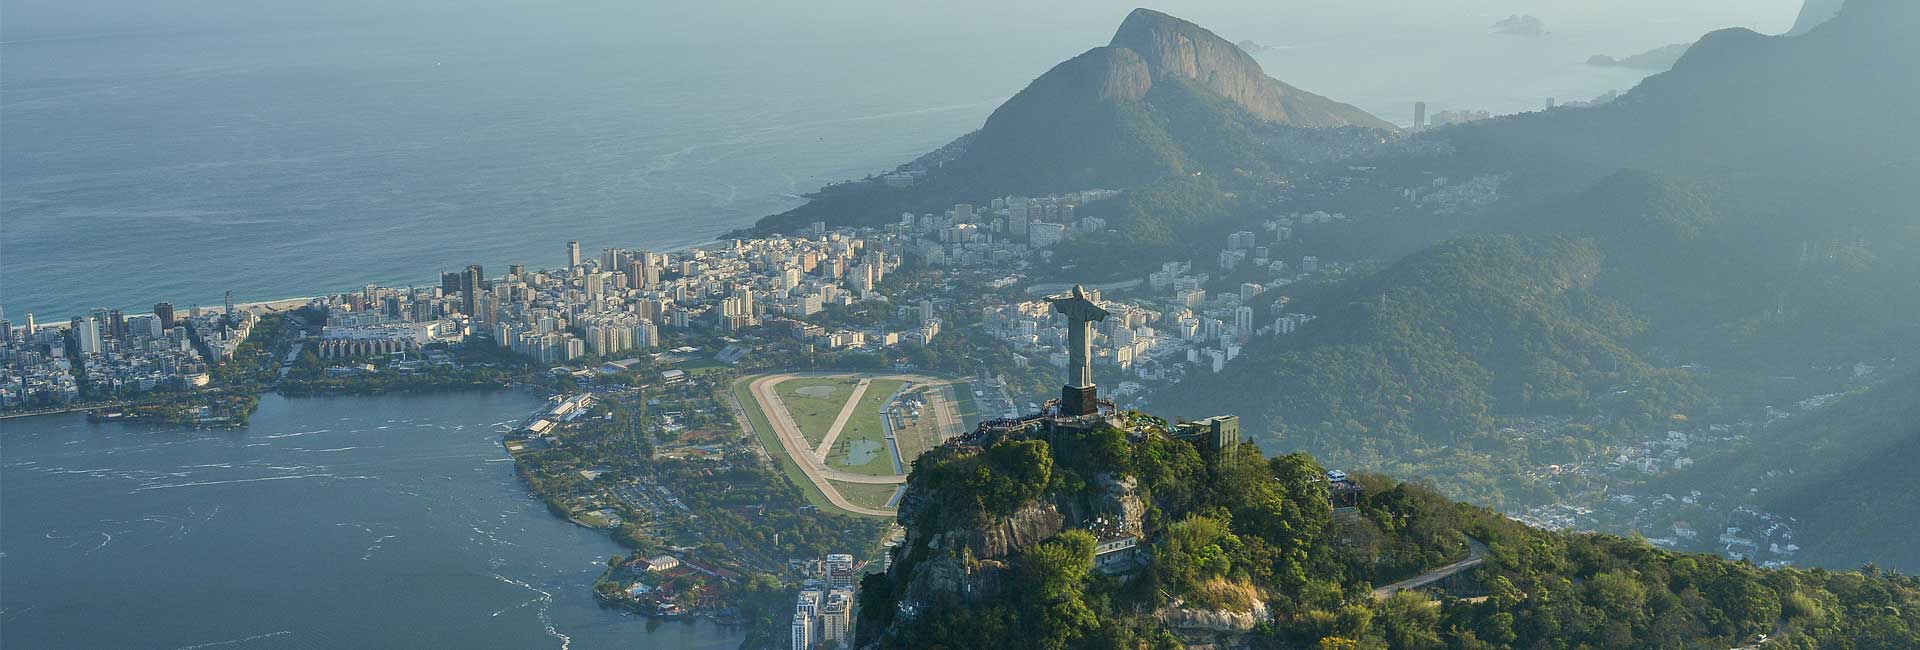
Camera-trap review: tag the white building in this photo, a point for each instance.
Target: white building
(802, 631)
(840, 571)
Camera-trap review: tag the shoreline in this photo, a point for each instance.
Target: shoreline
(276, 305)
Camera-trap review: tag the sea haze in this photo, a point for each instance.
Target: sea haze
(173, 152)
(280, 162)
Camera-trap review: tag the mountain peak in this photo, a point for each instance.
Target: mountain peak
(1813, 13)
(1177, 49)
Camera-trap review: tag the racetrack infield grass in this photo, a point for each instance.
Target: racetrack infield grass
(918, 434)
(763, 431)
(811, 410)
(864, 431)
(862, 494)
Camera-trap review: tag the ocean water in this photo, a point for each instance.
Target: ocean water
(175, 151)
(356, 522)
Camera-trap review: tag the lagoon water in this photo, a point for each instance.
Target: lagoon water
(353, 522)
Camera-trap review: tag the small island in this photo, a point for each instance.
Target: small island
(1521, 25)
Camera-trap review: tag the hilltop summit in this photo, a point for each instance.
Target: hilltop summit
(1176, 49)
(1164, 97)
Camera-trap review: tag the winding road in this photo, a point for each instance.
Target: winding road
(1476, 556)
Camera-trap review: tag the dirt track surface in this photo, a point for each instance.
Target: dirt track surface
(813, 463)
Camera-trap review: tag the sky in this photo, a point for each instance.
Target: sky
(1379, 54)
(883, 22)
(175, 109)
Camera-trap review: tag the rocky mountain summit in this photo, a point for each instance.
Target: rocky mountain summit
(1177, 49)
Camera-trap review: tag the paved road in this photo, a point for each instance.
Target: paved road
(840, 421)
(946, 412)
(1476, 555)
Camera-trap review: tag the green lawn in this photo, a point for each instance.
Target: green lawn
(704, 365)
(861, 494)
(919, 434)
(968, 408)
(862, 445)
(763, 430)
(814, 402)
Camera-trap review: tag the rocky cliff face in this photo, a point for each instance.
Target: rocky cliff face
(1144, 107)
(972, 559)
(1017, 532)
(1813, 13)
(1175, 48)
(1211, 629)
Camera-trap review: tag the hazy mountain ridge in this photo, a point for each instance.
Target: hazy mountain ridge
(1660, 58)
(1176, 48)
(1728, 240)
(1850, 464)
(1429, 351)
(1739, 103)
(1164, 98)
(1813, 13)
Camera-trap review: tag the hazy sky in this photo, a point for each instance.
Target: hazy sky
(885, 21)
(559, 118)
(1376, 53)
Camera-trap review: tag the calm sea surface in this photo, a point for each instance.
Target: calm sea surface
(381, 522)
(174, 151)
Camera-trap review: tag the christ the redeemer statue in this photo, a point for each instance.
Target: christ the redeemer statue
(1078, 397)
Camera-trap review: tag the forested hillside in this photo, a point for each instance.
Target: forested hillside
(1841, 470)
(1717, 255)
(1246, 551)
(1425, 354)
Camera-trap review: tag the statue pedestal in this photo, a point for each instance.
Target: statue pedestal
(1079, 401)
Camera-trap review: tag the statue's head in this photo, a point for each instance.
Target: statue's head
(1079, 291)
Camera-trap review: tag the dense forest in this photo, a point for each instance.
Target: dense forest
(1247, 551)
(1431, 352)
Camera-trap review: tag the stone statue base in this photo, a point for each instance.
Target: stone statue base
(1079, 401)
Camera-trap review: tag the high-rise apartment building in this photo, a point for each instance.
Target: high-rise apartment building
(839, 568)
(470, 286)
(836, 618)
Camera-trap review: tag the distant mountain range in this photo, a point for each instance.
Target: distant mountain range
(1750, 210)
(1660, 58)
(1743, 103)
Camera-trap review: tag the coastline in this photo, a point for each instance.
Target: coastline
(277, 305)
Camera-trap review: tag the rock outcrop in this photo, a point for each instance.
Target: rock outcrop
(1211, 629)
(1175, 48)
(1014, 533)
(1146, 106)
(1815, 12)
